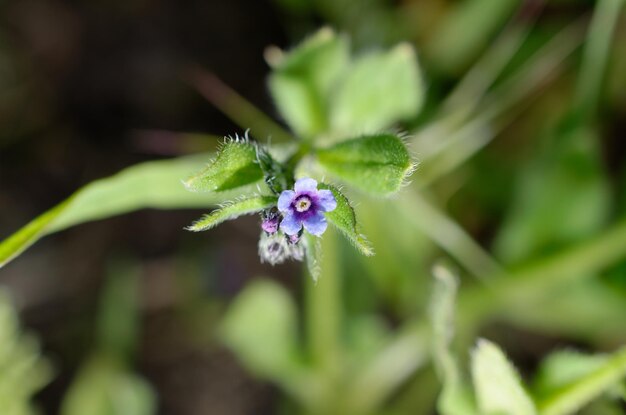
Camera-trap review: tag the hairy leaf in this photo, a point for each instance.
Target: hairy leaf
(233, 210)
(147, 185)
(497, 383)
(344, 218)
(377, 164)
(234, 166)
(377, 91)
(301, 81)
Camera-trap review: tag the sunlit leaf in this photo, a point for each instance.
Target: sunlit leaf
(498, 386)
(148, 185)
(377, 164)
(377, 91)
(301, 80)
(231, 211)
(234, 166)
(344, 218)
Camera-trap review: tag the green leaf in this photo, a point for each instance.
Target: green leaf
(147, 185)
(562, 368)
(260, 327)
(234, 166)
(377, 164)
(233, 210)
(104, 387)
(378, 90)
(497, 383)
(344, 218)
(455, 397)
(302, 80)
(571, 397)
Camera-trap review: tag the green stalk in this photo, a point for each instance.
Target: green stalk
(324, 311)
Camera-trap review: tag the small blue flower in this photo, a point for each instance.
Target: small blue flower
(304, 206)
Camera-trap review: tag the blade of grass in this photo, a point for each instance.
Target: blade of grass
(448, 235)
(488, 68)
(450, 141)
(235, 107)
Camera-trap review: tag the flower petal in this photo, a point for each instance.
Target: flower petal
(290, 224)
(315, 224)
(326, 200)
(305, 184)
(285, 200)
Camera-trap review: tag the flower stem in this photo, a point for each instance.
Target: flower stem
(323, 302)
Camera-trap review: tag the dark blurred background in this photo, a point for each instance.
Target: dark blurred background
(87, 88)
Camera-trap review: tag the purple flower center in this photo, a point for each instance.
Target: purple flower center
(302, 203)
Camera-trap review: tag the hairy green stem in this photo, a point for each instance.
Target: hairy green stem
(324, 311)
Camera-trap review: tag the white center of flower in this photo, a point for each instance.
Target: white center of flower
(303, 204)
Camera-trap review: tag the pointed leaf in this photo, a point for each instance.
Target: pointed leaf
(497, 383)
(232, 211)
(377, 164)
(379, 90)
(344, 218)
(302, 80)
(234, 166)
(148, 185)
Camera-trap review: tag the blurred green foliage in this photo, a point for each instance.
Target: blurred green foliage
(23, 372)
(374, 333)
